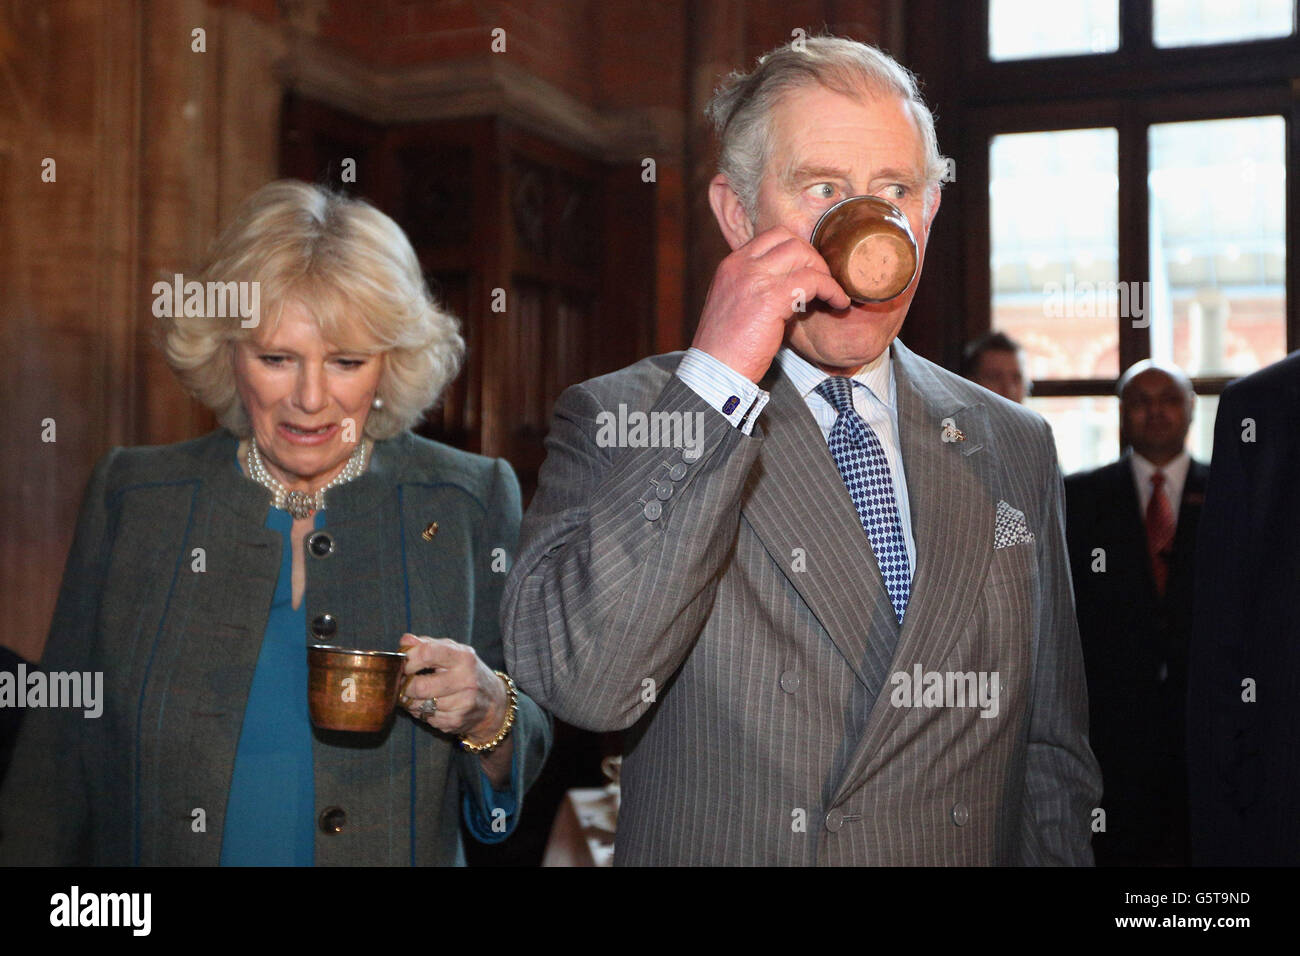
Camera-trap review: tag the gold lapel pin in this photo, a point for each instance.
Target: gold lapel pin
(951, 432)
(428, 533)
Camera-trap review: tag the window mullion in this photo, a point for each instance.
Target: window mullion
(1134, 234)
(1135, 29)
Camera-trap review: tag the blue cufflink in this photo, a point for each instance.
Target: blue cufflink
(730, 404)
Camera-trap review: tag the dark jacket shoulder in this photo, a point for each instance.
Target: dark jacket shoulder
(406, 458)
(1280, 378)
(1114, 474)
(412, 459)
(139, 465)
(1103, 476)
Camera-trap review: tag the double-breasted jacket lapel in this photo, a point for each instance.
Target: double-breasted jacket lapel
(952, 523)
(796, 499)
(797, 503)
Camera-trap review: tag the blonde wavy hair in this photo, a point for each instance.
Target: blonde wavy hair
(354, 270)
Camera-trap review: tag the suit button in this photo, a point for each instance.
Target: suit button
(677, 472)
(320, 544)
(961, 814)
(326, 625)
(790, 682)
(691, 454)
(653, 509)
(834, 820)
(663, 491)
(332, 820)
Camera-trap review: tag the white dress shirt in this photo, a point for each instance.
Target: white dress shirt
(1175, 477)
(877, 404)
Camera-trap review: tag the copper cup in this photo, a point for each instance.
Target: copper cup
(350, 689)
(869, 247)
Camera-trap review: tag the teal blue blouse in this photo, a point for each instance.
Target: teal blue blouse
(271, 809)
(270, 813)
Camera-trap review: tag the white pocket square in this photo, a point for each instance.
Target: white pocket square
(1010, 528)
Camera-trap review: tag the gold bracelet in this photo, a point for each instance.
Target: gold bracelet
(511, 709)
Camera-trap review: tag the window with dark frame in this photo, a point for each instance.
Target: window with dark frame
(1135, 153)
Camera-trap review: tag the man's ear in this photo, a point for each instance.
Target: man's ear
(727, 208)
(934, 209)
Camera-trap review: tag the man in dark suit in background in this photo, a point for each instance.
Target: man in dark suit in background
(1244, 670)
(1131, 527)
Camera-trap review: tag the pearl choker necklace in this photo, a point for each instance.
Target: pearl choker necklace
(300, 504)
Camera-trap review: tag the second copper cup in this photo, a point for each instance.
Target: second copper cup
(869, 247)
(351, 689)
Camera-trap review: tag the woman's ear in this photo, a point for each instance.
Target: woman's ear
(733, 219)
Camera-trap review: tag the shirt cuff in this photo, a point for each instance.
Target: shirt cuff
(491, 815)
(735, 397)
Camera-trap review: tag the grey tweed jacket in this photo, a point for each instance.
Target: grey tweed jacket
(728, 613)
(178, 648)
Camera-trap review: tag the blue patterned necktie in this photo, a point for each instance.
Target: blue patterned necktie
(862, 463)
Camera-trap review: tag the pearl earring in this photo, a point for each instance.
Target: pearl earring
(377, 404)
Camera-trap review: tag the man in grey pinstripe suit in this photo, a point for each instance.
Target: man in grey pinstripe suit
(723, 602)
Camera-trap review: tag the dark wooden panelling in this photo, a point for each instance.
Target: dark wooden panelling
(568, 239)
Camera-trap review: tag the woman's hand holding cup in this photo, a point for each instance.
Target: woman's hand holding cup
(450, 688)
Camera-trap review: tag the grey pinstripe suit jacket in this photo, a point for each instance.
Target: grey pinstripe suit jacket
(745, 639)
(178, 650)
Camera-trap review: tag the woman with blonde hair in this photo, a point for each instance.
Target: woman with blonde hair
(201, 571)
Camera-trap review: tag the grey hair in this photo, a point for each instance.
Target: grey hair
(741, 108)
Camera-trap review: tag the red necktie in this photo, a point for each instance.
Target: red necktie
(1160, 531)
